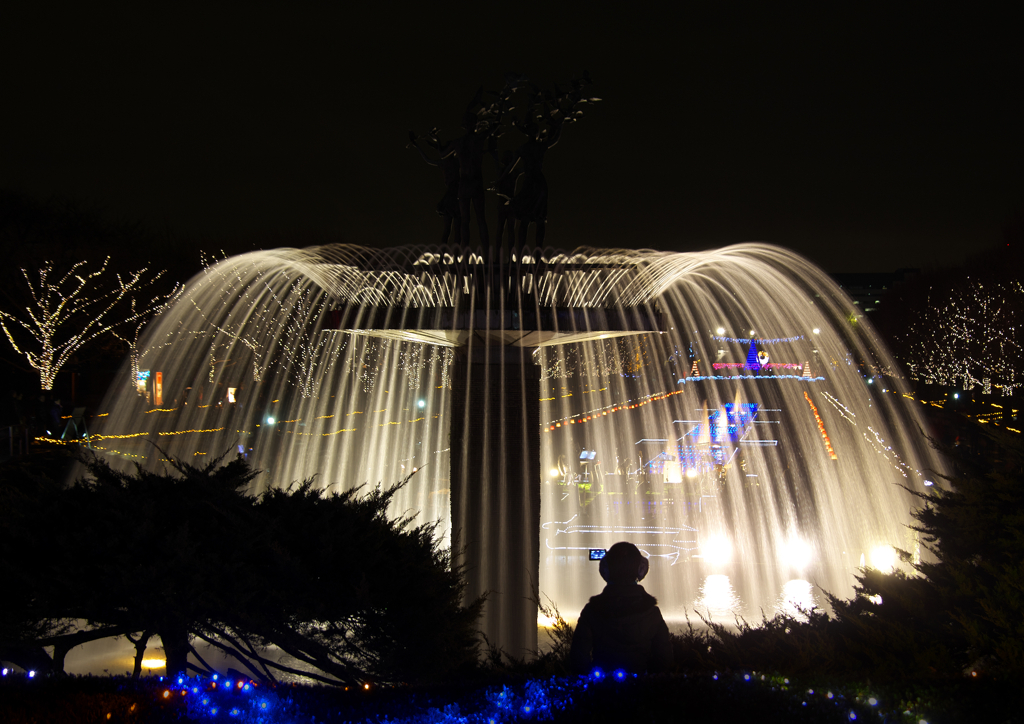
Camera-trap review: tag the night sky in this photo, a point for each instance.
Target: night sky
(867, 142)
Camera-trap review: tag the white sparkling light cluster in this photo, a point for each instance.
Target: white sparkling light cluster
(605, 358)
(968, 337)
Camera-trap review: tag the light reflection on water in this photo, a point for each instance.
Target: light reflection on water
(797, 597)
(718, 598)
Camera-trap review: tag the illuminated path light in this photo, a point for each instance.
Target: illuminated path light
(356, 365)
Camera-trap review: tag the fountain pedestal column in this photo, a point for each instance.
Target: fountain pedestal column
(495, 488)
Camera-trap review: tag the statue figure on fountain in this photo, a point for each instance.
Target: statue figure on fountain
(448, 206)
(530, 205)
(545, 117)
(542, 125)
(469, 152)
(505, 187)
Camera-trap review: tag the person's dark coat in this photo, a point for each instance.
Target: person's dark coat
(621, 628)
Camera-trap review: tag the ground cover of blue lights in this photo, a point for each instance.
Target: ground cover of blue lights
(601, 697)
(554, 699)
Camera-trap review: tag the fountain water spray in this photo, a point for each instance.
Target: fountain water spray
(712, 408)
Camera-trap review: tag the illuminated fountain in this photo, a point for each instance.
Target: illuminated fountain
(710, 407)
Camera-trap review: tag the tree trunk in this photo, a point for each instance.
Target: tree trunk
(60, 652)
(174, 637)
(140, 651)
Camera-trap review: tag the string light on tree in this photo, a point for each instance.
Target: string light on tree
(66, 314)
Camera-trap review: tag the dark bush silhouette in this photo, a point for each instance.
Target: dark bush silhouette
(348, 593)
(969, 600)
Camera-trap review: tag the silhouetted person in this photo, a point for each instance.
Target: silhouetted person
(448, 206)
(622, 627)
(469, 151)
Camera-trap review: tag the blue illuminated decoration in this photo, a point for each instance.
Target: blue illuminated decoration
(534, 700)
(739, 417)
(752, 362)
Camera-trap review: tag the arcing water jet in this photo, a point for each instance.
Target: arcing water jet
(713, 408)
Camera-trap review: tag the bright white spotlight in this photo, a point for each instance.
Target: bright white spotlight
(691, 473)
(816, 330)
(421, 404)
(270, 421)
(716, 550)
(545, 621)
(796, 553)
(720, 330)
(553, 472)
(883, 558)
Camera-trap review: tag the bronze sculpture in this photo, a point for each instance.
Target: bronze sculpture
(448, 206)
(461, 162)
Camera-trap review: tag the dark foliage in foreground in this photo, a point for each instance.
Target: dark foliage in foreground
(329, 579)
(961, 612)
(965, 609)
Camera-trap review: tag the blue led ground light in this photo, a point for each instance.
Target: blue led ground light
(206, 699)
(765, 697)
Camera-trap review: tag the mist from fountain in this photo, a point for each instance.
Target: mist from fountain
(715, 408)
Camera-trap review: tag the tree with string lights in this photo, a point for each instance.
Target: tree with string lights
(968, 336)
(962, 327)
(66, 312)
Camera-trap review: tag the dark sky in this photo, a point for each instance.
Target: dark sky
(867, 142)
